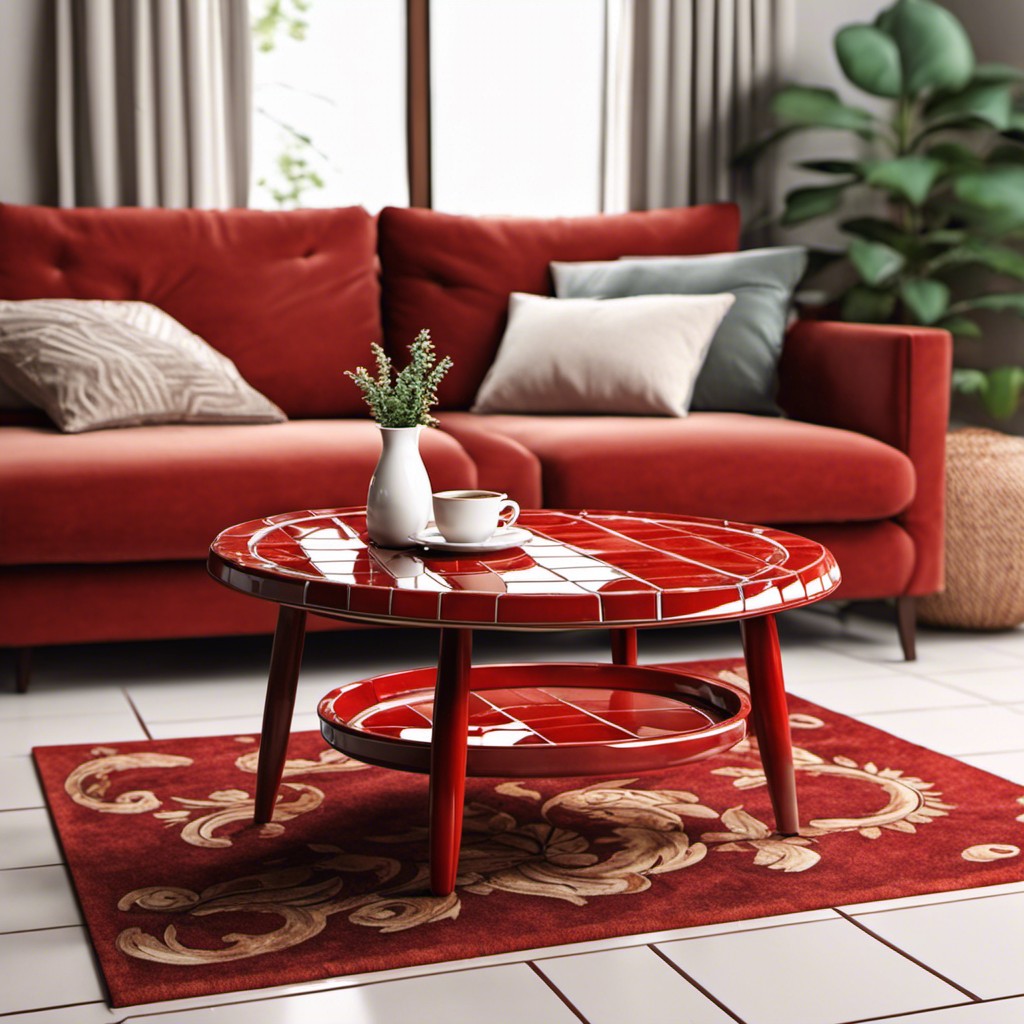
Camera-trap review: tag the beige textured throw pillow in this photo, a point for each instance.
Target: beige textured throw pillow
(91, 364)
(638, 355)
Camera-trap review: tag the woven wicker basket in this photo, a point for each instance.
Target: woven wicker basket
(984, 533)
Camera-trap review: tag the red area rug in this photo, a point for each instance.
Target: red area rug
(183, 896)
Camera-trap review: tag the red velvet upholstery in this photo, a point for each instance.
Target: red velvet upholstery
(291, 297)
(102, 535)
(67, 604)
(877, 559)
(503, 464)
(454, 274)
(753, 469)
(150, 494)
(890, 383)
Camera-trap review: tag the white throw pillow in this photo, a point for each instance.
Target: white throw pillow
(638, 355)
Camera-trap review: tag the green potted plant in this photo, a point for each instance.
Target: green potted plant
(947, 165)
(398, 503)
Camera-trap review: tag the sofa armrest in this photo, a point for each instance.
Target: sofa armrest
(891, 383)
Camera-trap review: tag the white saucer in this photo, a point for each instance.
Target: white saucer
(505, 537)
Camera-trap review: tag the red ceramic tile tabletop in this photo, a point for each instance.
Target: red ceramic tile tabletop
(581, 569)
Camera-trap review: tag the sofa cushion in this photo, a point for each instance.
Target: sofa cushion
(639, 355)
(728, 465)
(291, 298)
(161, 493)
(455, 274)
(93, 364)
(740, 372)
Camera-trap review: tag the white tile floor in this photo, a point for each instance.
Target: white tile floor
(952, 958)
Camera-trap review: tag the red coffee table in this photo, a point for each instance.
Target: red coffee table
(617, 571)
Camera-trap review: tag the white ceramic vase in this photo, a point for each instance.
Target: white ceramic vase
(399, 500)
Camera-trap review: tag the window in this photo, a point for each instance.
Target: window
(329, 103)
(516, 90)
(516, 104)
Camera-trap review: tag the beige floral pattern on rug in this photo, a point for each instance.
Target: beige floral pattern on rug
(89, 784)
(535, 852)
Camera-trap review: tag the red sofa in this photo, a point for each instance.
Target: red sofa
(103, 535)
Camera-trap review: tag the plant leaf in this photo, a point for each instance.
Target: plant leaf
(935, 51)
(998, 389)
(870, 59)
(806, 203)
(1006, 153)
(998, 189)
(999, 258)
(925, 298)
(818, 259)
(1002, 396)
(988, 102)
(749, 154)
(993, 71)
(819, 108)
(969, 382)
(831, 166)
(865, 305)
(945, 236)
(876, 262)
(874, 229)
(911, 177)
(961, 326)
(956, 156)
(1001, 302)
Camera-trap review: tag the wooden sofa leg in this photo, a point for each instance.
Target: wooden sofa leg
(906, 623)
(22, 669)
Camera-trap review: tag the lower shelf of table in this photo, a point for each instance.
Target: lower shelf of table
(543, 719)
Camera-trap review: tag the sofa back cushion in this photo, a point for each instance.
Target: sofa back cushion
(291, 298)
(454, 274)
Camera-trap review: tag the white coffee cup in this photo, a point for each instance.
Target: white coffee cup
(471, 517)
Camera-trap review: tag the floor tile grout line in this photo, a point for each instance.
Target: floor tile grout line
(690, 980)
(59, 1006)
(316, 987)
(976, 753)
(980, 703)
(557, 991)
(22, 867)
(913, 959)
(679, 938)
(12, 810)
(135, 711)
(899, 1015)
(965, 899)
(49, 928)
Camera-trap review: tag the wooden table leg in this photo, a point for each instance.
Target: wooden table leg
(448, 757)
(771, 718)
(623, 646)
(285, 659)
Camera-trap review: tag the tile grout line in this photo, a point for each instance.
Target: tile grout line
(48, 928)
(936, 903)
(135, 711)
(699, 987)
(59, 1006)
(913, 959)
(556, 990)
(927, 1009)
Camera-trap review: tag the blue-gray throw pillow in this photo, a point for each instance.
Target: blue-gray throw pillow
(740, 371)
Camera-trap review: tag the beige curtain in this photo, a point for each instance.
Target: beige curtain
(153, 102)
(687, 85)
